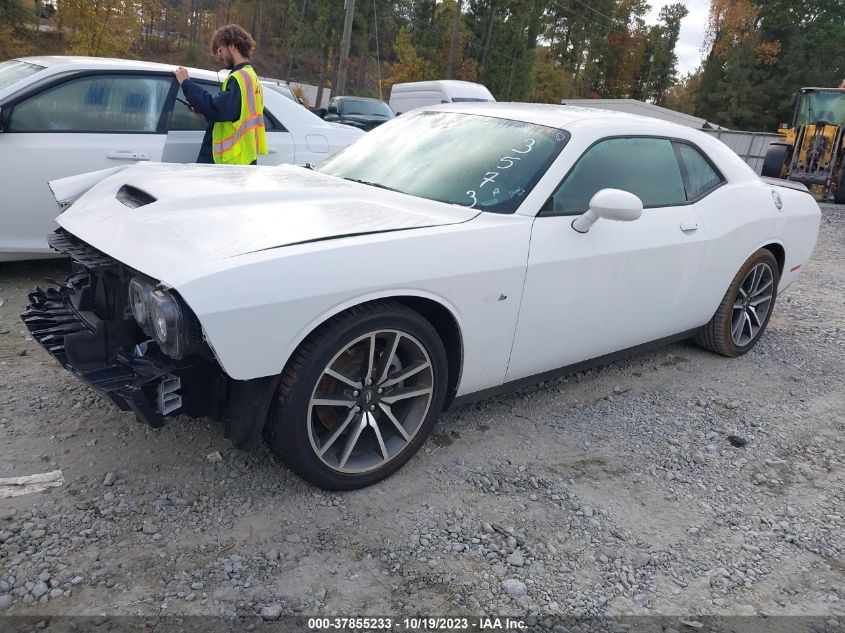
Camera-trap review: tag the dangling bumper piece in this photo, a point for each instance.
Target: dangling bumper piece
(97, 352)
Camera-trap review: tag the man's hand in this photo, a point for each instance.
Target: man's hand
(181, 74)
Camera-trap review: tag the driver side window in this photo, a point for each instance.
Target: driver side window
(95, 103)
(646, 167)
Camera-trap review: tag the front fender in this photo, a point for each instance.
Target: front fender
(306, 327)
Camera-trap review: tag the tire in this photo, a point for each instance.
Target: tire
(733, 330)
(338, 432)
(839, 192)
(773, 162)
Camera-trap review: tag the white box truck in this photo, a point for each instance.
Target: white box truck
(414, 94)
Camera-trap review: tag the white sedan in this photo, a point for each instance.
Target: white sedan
(61, 116)
(451, 253)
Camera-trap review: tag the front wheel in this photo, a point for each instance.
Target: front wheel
(745, 309)
(359, 397)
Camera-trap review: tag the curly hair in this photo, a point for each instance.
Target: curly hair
(233, 34)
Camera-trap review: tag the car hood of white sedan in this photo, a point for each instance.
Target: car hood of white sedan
(205, 213)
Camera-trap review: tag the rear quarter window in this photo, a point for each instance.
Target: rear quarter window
(700, 175)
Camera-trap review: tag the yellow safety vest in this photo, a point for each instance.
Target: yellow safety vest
(240, 142)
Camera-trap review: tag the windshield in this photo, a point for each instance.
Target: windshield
(14, 70)
(828, 105)
(369, 108)
(475, 161)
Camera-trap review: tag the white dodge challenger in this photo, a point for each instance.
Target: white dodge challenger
(451, 253)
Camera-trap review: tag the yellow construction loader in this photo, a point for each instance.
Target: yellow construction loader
(812, 152)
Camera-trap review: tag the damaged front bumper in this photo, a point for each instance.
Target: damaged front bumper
(97, 351)
(86, 324)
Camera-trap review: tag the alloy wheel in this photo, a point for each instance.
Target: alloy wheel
(752, 304)
(370, 401)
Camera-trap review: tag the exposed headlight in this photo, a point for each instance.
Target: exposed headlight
(139, 300)
(170, 325)
(162, 316)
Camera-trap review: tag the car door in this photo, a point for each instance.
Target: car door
(185, 129)
(80, 124)
(621, 284)
(278, 123)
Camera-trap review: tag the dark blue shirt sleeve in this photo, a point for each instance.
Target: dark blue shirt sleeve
(224, 106)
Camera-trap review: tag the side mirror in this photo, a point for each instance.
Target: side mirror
(320, 112)
(794, 98)
(610, 204)
(332, 110)
(4, 114)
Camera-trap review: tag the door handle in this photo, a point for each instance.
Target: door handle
(128, 155)
(272, 150)
(689, 226)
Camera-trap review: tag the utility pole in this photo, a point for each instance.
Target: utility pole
(344, 49)
(453, 43)
(646, 87)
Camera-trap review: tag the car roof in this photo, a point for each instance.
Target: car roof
(78, 62)
(551, 115)
(359, 98)
(593, 123)
(438, 83)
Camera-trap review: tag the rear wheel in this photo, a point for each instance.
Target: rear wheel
(359, 397)
(773, 163)
(745, 309)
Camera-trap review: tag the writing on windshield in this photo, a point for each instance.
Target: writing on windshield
(482, 162)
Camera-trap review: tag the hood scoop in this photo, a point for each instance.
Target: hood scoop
(133, 197)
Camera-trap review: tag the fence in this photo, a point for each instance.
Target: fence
(750, 146)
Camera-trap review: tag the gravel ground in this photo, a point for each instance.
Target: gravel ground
(615, 491)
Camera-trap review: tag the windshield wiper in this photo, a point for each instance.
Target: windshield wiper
(371, 184)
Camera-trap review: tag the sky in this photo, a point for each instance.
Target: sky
(693, 26)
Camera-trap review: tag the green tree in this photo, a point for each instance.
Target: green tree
(15, 21)
(551, 83)
(759, 54)
(410, 66)
(109, 28)
(683, 95)
(659, 69)
(504, 39)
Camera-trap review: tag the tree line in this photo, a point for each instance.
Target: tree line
(756, 53)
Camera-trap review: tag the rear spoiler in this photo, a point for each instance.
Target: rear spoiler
(788, 184)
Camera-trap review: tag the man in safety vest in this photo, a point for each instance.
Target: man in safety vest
(235, 135)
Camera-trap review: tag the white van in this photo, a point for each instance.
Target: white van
(414, 94)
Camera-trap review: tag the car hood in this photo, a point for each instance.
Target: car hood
(162, 218)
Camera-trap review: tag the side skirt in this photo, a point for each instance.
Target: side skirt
(507, 387)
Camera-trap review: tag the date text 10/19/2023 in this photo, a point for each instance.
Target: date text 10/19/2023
(416, 624)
